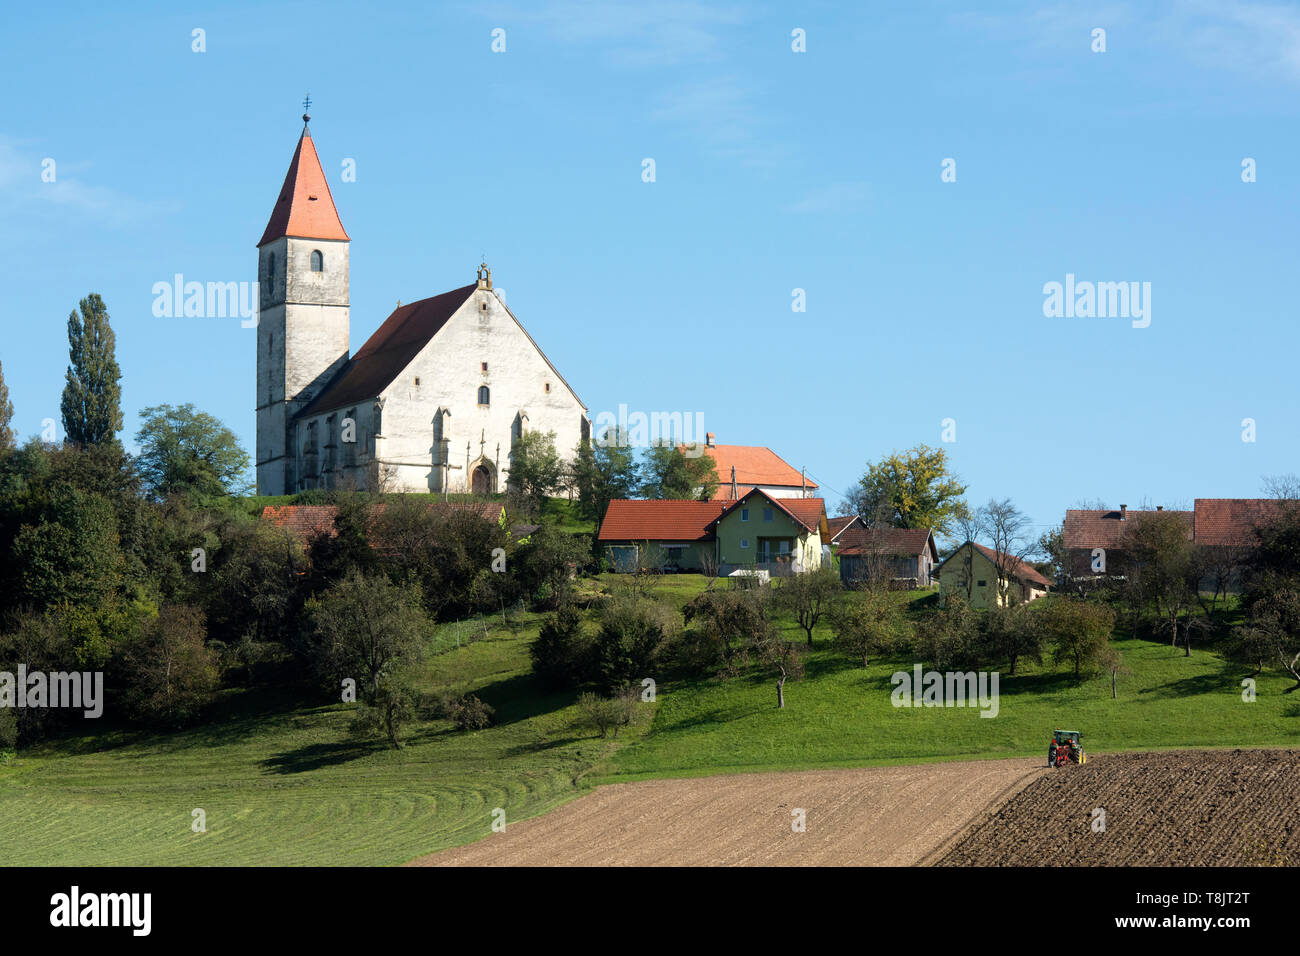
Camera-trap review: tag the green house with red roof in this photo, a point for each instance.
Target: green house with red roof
(756, 532)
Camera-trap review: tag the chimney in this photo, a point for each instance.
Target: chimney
(708, 439)
(733, 482)
(1123, 512)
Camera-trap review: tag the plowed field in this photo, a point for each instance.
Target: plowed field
(1178, 808)
(876, 816)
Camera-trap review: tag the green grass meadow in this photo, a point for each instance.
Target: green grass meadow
(288, 785)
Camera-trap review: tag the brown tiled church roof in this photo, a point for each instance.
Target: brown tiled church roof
(391, 349)
(305, 208)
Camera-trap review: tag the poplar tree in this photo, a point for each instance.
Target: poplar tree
(92, 411)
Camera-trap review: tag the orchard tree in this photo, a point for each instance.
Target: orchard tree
(1162, 568)
(1077, 631)
(809, 597)
(869, 623)
(184, 450)
(91, 406)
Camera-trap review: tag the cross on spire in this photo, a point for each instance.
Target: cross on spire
(306, 107)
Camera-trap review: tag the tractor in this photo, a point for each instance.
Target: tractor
(1065, 747)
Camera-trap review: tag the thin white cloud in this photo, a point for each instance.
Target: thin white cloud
(1259, 38)
(24, 184)
(641, 34)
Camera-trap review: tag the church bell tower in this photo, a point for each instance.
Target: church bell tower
(302, 330)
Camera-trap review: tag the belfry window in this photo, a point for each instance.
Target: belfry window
(484, 397)
(317, 261)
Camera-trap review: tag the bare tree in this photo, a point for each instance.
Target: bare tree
(1009, 530)
(971, 526)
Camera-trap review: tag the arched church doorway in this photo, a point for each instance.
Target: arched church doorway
(481, 481)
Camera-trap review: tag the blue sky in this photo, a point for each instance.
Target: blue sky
(775, 170)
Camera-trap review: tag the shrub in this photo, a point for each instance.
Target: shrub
(470, 713)
(170, 674)
(561, 654)
(607, 713)
(633, 632)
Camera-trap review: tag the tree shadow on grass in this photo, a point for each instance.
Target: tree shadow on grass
(1053, 682)
(316, 756)
(519, 698)
(1215, 682)
(712, 717)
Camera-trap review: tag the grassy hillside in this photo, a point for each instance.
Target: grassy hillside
(286, 786)
(289, 788)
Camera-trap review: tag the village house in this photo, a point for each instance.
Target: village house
(971, 572)
(1221, 530)
(903, 557)
(838, 525)
(742, 468)
(757, 532)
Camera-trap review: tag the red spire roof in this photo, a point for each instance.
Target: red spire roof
(305, 209)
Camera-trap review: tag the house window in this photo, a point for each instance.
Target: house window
(417, 380)
(767, 514)
(317, 261)
(548, 388)
(484, 395)
(744, 543)
(980, 584)
(744, 514)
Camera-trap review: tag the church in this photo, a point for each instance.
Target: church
(432, 402)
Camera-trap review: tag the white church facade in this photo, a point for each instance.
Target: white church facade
(433, 401)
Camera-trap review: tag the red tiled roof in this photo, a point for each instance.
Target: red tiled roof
(305, 208)
(1231, 522)
(904, 542)
(1019, 568)
(839, 523)
(809, 512)
(302, 521)
(724, 492)
(680, 520)
(306, 521)
(1103, 529)
(660, 520)
(388, 351)
(755, 465)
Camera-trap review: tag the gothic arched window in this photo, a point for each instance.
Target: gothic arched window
(483, 395)
(317, 261)
(270, 267)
